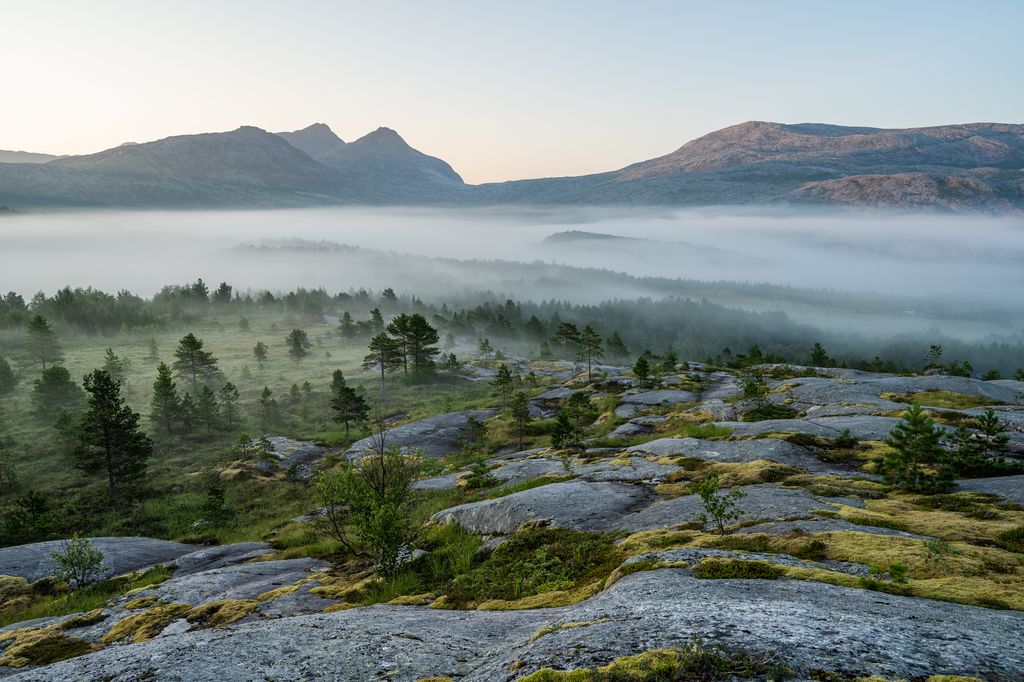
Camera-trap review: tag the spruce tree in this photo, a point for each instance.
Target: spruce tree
(268, 409)
(642, 371)
(110, 441)
(188, 412)
(165, 402)
(346, 326)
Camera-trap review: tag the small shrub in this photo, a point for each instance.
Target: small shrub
(78, 562)
(719, 508)
(1012, 540)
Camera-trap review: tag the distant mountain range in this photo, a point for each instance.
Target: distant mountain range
(970, 167)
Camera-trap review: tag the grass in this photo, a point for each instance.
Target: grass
(536, 561)
(948, 399)
(85, 599)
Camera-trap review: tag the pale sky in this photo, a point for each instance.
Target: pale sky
(501, 90)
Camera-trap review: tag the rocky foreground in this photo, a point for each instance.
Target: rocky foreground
(805, 580)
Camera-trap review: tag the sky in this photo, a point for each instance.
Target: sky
(500, 90)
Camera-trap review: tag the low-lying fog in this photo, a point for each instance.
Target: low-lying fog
(961, 258)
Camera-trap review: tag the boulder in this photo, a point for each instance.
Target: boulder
(578, 505)
(217, 557)
(432, 437)
(740, 451)
(765, 501)
(120, 555)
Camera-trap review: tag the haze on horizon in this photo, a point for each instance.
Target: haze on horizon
(544, 89)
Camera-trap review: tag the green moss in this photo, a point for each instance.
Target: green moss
(40, 646)
(694, 662)
(146, 625)
(733, 569)
(83, 620)
(950, 399)
(220, 613)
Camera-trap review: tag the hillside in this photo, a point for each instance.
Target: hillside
(970, 167)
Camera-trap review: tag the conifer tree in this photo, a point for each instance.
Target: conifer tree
(915, 460)
(165, 402)
(259, 351)
(383, 356)
(228, 398)
(206, 408)
(503, 384)
(110, 441)
(590, 349)
(54, 391)
(44, 348)
(520, 413)
(298, 345)
(349, 407)
(193, 363)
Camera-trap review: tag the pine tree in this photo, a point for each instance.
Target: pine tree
(422, 346)
(165, 402)
(193, 363)
(222, 296)
(206, 408)
(259, 351)
(569, 336)
(383, 356)
(503, 384)
(349, 407)
(298, 345)
(398, 328)
(590, 349)
(43, 342)
(154, 352)
(486, 350)
(110, 440)
(8, 477)
(228, 398)
(520, 413)
(915, 460)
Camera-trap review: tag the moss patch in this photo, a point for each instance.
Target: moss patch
(220, 613)
(146, 625)
(693, 662)
(40, 646)
(950, 399)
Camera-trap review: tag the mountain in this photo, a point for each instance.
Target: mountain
(25, 157)
(969, 167)
(314, 140)
(958, 167)
(383, 159)
(244, 167)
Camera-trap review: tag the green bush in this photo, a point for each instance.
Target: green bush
(733, 569)
(535, 561)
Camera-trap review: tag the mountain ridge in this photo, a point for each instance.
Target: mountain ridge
(959, 167)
